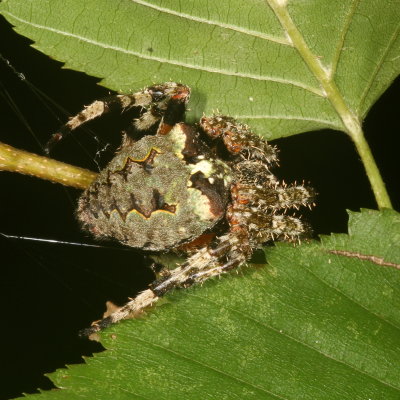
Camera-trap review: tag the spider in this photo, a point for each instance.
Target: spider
(202, 190)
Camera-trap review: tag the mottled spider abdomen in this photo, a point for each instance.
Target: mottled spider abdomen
(158, 192)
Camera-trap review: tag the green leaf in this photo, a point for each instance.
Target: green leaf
(313, 324)
(284, 69)
(321, 320)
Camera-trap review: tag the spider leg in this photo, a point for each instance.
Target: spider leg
(165, 102)
(178, 277)
(201, 266)
(130, 310)
(270, 199)
(228, 252)
(257, 206)
(238, 138)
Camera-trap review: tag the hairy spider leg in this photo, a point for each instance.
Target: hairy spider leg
(198, 268)
(182, 276)
(238, 138)
(165, 102)
(131, 309)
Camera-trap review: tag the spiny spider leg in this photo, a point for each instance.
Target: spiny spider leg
(272, 198)
(196, 269)
(238, 138)
(165, 102)
(131, 309)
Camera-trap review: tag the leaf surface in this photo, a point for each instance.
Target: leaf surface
(313, 324)
(322, 319)
(282, 69)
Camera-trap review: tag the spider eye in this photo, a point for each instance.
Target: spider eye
(157, 95)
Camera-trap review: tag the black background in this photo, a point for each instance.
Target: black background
(50, 291)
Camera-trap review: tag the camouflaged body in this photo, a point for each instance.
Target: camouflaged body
(158, 193)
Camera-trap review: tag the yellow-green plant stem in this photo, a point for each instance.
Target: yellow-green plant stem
(15, 160)
(374, 176)
(352, 124)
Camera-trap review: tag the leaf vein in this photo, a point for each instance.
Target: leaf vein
(368, 86)
(366, 257)
(101, 381)
(288, 117)
(235, 28)
(209, 367)
(350, 298)
(297, 340)
(311, 89)
(339, 47)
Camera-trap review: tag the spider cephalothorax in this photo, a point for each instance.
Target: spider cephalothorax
(205, 190)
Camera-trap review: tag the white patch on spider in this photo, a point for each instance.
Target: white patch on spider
(138, 100)
(90, 112)
(281, 223)
(146, 121)
(209, 169)
(178, 138)
(201, 204)
(204, 166)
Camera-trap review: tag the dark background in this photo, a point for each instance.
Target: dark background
(50, 291)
